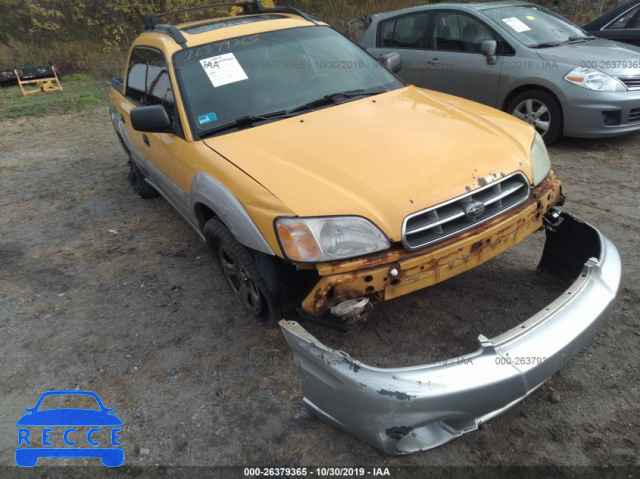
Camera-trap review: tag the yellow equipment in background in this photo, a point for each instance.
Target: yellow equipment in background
(47, 84)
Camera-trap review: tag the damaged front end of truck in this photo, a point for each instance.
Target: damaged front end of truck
(410, 409)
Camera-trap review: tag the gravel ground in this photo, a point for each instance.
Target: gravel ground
(103, 291)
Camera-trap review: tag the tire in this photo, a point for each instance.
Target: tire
(541, 110)
(137, 182)
(239, 269)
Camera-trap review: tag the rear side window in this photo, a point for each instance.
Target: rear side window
(137, 75)
(148, 80)
(408, 31)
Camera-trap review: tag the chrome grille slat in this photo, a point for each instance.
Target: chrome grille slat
(632, 83)
(504, 194)
(447, 219)
(437, 223)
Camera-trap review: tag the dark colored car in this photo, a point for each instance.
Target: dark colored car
(621, 24)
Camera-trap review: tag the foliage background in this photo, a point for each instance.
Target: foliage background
(92, 35)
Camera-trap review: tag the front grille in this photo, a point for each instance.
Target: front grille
(435, 224)
(632, 83)
(634, 115)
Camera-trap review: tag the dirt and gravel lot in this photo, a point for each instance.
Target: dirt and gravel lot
(101, 290)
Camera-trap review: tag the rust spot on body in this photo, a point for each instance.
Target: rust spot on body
(398, 432)
(395, 394)
(476, 247)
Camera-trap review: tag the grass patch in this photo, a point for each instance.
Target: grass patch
(81, 92)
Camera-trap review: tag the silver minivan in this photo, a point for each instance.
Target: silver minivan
(520, 58)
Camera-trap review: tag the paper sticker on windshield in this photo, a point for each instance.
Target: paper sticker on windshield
(223, 69)
(516, 24)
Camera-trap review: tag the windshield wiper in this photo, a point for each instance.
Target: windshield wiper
(333, 98)
(579, 39)
(245, 121)
(547, 45)
(565, 42)
(250, 120)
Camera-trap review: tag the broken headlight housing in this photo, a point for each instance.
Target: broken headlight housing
(316, 240)
(540, 160)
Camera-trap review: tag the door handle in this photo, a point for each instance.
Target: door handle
(145, 138)
(435, 61)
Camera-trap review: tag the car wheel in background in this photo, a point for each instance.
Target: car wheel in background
(137, 182)
(540, 109)
(238, 267)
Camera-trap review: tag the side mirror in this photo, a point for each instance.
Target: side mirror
(151, 119)
(393, 61)
(488, 49)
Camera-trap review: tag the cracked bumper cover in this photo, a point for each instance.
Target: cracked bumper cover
(410, 409)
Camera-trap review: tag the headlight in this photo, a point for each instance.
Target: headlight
(540, 160)
(592, 79)
(328, 239)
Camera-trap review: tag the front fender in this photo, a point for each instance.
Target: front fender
(207, 190)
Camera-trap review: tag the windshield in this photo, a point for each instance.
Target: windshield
(535, 27)
(63, 401)
(270, 74)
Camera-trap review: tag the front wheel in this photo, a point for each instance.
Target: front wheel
(541, 110)
(239, 269)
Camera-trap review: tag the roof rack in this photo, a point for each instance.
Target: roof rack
(250, 7)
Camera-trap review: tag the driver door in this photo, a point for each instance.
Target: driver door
(159, 155)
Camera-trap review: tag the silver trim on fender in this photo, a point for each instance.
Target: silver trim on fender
(410, 409)
(211, 192)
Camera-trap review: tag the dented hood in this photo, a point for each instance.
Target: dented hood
(381, 157)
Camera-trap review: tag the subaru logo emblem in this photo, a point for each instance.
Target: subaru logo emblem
(475, 209)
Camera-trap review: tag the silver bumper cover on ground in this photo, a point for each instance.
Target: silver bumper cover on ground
(410, 409)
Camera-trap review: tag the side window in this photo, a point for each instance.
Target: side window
(136, 77)
(407, 31)
(455, 31)
(386, 33)
(159, 90)
(624, 20)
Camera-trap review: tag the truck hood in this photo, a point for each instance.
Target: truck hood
(604, 55)
(381, 157)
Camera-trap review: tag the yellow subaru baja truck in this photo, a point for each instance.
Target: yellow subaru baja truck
(320, 181)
